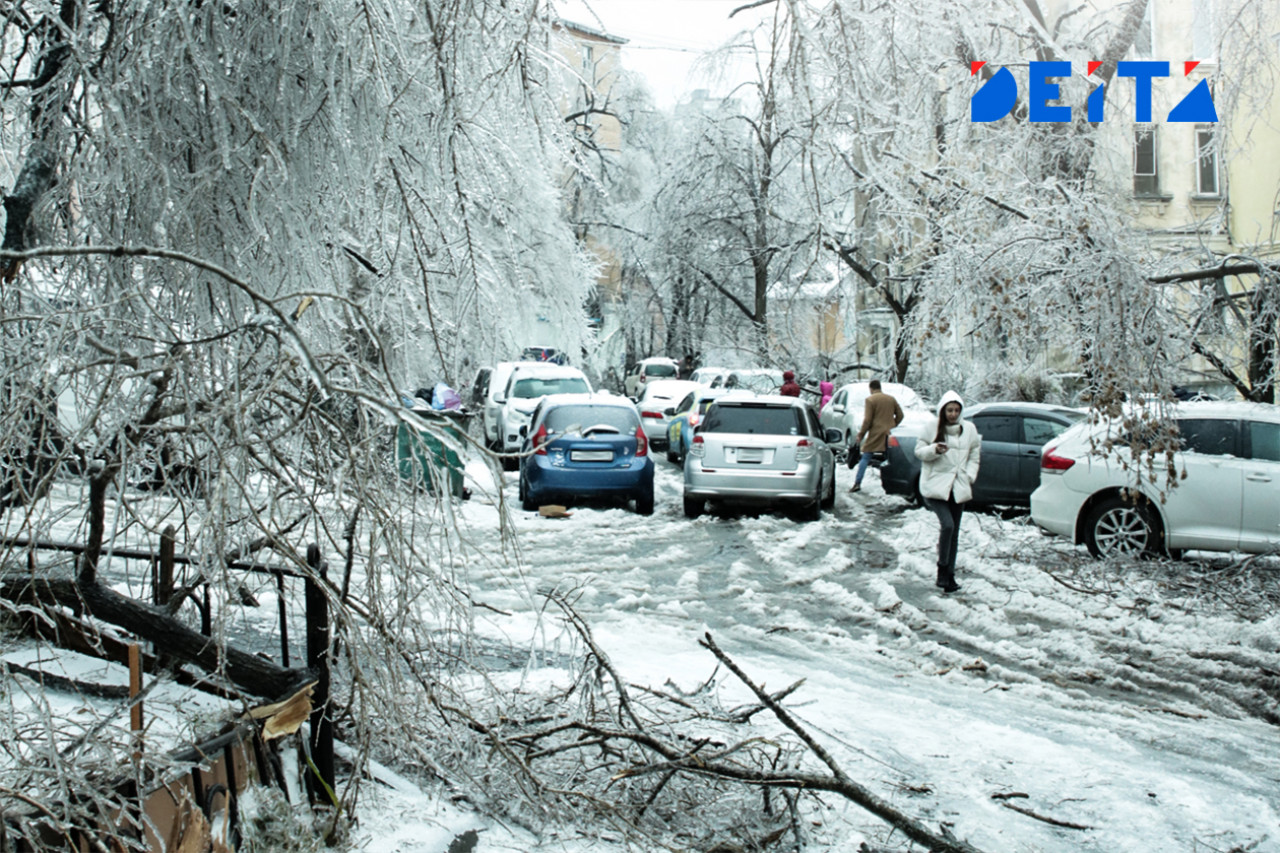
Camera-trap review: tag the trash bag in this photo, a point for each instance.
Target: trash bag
(445, 398)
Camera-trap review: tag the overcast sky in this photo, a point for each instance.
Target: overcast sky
(666, 37)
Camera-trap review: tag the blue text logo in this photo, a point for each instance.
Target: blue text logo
(998, 95)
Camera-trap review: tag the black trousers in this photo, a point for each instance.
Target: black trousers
(948, 513)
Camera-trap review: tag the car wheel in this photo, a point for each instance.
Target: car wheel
(915, 498)
(850, 458)
(673, 457)
(829, 501)
(644, 502)
(693, 507)
(1120, 528)
(527, 503)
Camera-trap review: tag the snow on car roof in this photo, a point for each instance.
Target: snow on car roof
(669, 387)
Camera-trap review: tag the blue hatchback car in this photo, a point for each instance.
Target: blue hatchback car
(586, 447)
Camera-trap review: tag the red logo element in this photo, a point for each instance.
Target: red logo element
(1188, 67)
(1094, 65)
(974, 66)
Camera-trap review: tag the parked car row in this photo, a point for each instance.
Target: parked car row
(1079, 478)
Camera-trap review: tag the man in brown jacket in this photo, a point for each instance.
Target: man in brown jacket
(880, 414)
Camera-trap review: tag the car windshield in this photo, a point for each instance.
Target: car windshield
(561, 418)
(757, 420)
(660, 370)
(535, 386)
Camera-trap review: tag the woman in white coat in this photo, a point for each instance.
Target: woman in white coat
(949, 453)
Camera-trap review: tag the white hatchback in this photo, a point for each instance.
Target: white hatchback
(1224, 494)
(658, 399)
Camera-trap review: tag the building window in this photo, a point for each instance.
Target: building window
(1202, 35)
(1144, 40)
(1146, 180)
(1206, 161)
(589, 64)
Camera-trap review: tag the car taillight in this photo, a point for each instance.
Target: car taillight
(693, 420)
(893, 442)
(804, 450)
(1051, 461)
(540, 439)
(657, 415)
(642, 443)
(698, 448)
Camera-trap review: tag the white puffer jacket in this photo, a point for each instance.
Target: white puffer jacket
(952, 473)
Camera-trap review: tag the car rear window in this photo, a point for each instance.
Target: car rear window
(756, 420)
(537, 387)
(623, 419)
(659, 370)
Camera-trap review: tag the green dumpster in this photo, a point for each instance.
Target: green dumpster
(425, 460)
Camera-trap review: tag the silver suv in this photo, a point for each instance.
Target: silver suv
(761, 450)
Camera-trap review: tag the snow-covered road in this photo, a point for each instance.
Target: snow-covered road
(1129, 698)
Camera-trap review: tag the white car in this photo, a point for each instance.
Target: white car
(757, 380)
(658, 399)
(648, 369)
(527, 384)
(709, 376)
(1225, 495)
(845, 408)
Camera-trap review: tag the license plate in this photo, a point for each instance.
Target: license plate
(591, 455)
(750, 454)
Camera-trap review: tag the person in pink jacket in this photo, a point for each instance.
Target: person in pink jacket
(827, 390)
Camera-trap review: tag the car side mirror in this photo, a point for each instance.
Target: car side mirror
(524, 432)
(499, 399)
(839, 410)
(670, 413)
(834, 436)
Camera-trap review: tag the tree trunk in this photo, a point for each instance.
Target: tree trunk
(251, 673)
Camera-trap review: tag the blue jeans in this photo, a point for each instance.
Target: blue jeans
(862, 466)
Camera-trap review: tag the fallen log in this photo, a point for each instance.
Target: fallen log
(251, 673)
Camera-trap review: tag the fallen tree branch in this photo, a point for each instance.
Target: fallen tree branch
(1050, 820)
(840, 782)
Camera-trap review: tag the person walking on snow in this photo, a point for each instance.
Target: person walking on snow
(826, 389)
(880, 414)
(949, 454)
(790, 388)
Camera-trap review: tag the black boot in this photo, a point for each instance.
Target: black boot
(947, 580)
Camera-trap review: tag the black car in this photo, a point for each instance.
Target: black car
(1012, 437)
